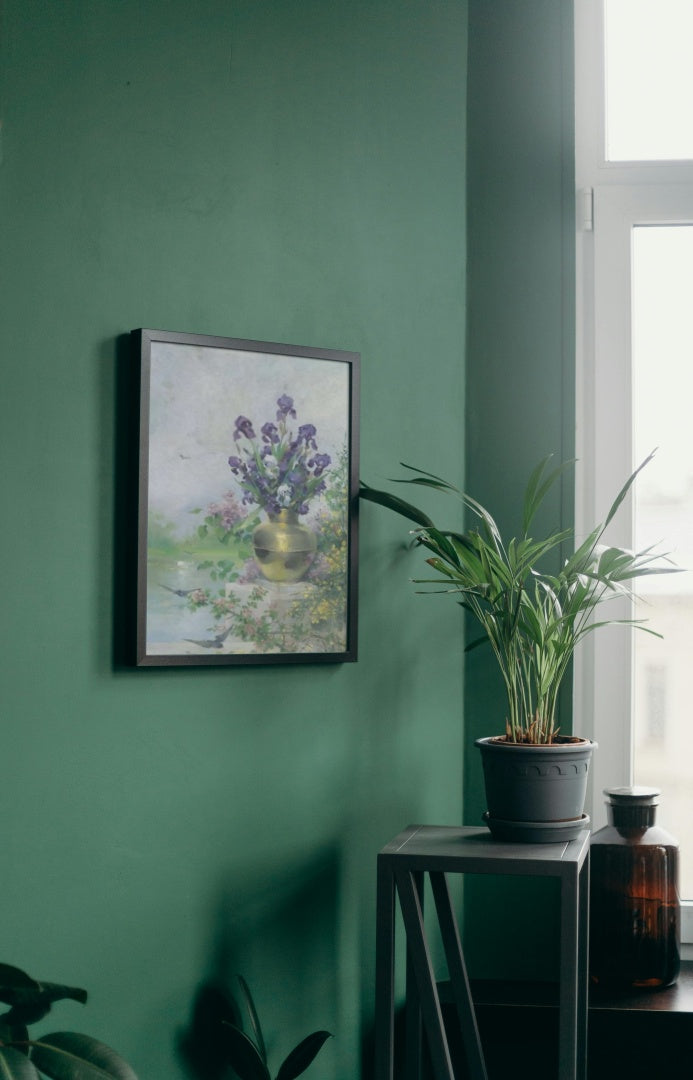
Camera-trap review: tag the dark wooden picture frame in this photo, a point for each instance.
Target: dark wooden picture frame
(248, 501)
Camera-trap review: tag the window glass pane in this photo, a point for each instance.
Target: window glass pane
(663, 418)
(649, 79)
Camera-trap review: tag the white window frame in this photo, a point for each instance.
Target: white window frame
(611, 198)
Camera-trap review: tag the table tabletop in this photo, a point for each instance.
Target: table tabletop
(470, 849)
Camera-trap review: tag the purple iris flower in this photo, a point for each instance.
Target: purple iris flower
(320, 462)
(236, 464)
(307, 433)
(286, 407)
(244, 426)
(269, 433)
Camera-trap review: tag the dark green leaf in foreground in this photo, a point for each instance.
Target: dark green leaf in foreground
(256, 1029)
(202, 1043)
(301, 1056)
(13, 978)
(243, 1055)
(66, 1055)
(14, 1065)
(31, 1000)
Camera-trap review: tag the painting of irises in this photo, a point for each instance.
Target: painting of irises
(248, 484)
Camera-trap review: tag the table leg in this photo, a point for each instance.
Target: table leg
(385, 971)
(568, 984)
(458, 977)
(413, 1042)
(425, 978)
(583, 968)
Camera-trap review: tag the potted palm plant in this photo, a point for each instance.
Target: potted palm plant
(533, 618)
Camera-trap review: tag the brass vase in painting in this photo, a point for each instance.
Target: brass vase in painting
(284, 548)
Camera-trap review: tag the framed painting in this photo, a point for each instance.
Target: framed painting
(248, 500)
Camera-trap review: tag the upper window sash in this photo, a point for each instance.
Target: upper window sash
(592, 168)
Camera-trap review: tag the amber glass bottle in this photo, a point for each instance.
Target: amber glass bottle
(635, 915)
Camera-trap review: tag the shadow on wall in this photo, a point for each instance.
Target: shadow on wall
(278, 928)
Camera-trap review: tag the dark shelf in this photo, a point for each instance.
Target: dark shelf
(673, 999)
(542, 995)
(632, 1035)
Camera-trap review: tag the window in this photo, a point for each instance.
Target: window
(634, 165)
(648, 80)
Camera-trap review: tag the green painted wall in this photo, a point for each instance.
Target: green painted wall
(520, 364)
(280, 171)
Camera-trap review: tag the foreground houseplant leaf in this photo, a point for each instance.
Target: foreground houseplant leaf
(301, 1056)
(31, 1000)
(66, 1055)
(247, 1056)
(253, 1017)
(14, 1065)
(243, 1055)
(202, 1044)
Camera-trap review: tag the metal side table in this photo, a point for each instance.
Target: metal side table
(441, 850)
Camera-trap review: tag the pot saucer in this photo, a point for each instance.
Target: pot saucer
(535, 832)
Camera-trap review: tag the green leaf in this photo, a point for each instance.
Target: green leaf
(477, 641)
(243, 1055)
(14, 1034)
(491, 528)
(438, 543)
(537, 488)
(626, 488)
(252, 1016)
(423, 481)
(66, 1055)
(392, 502)
(31, 1000)
(16, 1066)
(301, 1056)
(440, 566)
(432, 476)
(13, 978)
(202, 1044)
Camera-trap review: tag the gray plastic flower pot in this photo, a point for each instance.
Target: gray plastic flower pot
(535, 794)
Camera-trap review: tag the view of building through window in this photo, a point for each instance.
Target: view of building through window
(662, 356)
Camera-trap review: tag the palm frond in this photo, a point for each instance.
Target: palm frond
(533, 618)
